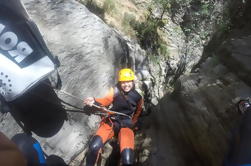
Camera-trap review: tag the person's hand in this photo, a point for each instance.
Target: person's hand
(89, 101)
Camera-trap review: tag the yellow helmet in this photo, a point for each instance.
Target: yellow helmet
(126, 75)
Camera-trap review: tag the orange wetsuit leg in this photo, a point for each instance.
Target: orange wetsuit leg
(105, 131)
(126, 139)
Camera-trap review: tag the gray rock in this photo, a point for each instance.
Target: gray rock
(90, 54)
(235, 53)
(197, 118)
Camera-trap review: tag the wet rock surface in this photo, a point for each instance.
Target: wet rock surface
(89, 53)
(190, 126)
(198, 117)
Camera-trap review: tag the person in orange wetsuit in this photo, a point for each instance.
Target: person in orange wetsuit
(124, 99)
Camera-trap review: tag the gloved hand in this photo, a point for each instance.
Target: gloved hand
(89, 101)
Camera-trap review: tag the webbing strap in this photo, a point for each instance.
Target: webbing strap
(39, 153)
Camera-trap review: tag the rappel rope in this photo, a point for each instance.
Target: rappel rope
(109, 111)
(96, 106)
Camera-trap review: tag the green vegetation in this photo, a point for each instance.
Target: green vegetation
(147, 31)
(109, 6)
(200, 20)
(205, 9)
(224, 24)
(128, 20)
(163, 50)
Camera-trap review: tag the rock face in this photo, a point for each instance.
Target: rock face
(191, 126)
(198, 117)
(86, 47)
(196, 121)
(235, 53)
(90, 54)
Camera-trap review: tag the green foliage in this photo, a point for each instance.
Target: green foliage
(163, 5)
(109, 6)
(127, 22)
(147, 32)
(154, 59)
(128, 19)
(176, 5)
(163, 50)
(181, 2)
(205, 9)
(200, 14)
(224, 24)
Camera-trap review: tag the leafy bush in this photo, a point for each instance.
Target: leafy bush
(223, 23)
(128, 19)
(127, 22)
(109, 6)
(147, 32)
(163, 50)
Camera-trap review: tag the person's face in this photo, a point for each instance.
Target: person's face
(126, 86)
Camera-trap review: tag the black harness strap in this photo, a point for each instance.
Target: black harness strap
(125, 98)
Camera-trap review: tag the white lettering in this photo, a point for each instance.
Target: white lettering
(22, 51)
(8, 40)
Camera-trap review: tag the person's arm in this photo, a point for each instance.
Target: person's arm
(138, 111)
(104, 101)
(9, 153)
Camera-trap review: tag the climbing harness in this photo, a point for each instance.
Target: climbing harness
(104, 109)
(110, 112)
(105, 113)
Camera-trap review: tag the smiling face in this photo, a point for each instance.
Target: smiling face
(126, 86)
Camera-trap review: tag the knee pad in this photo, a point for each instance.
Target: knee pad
(95, 145)
(127, 156)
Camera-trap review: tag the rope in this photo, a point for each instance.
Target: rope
(67, 93)
(107, 114)
(110, 111)
(96, 106)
